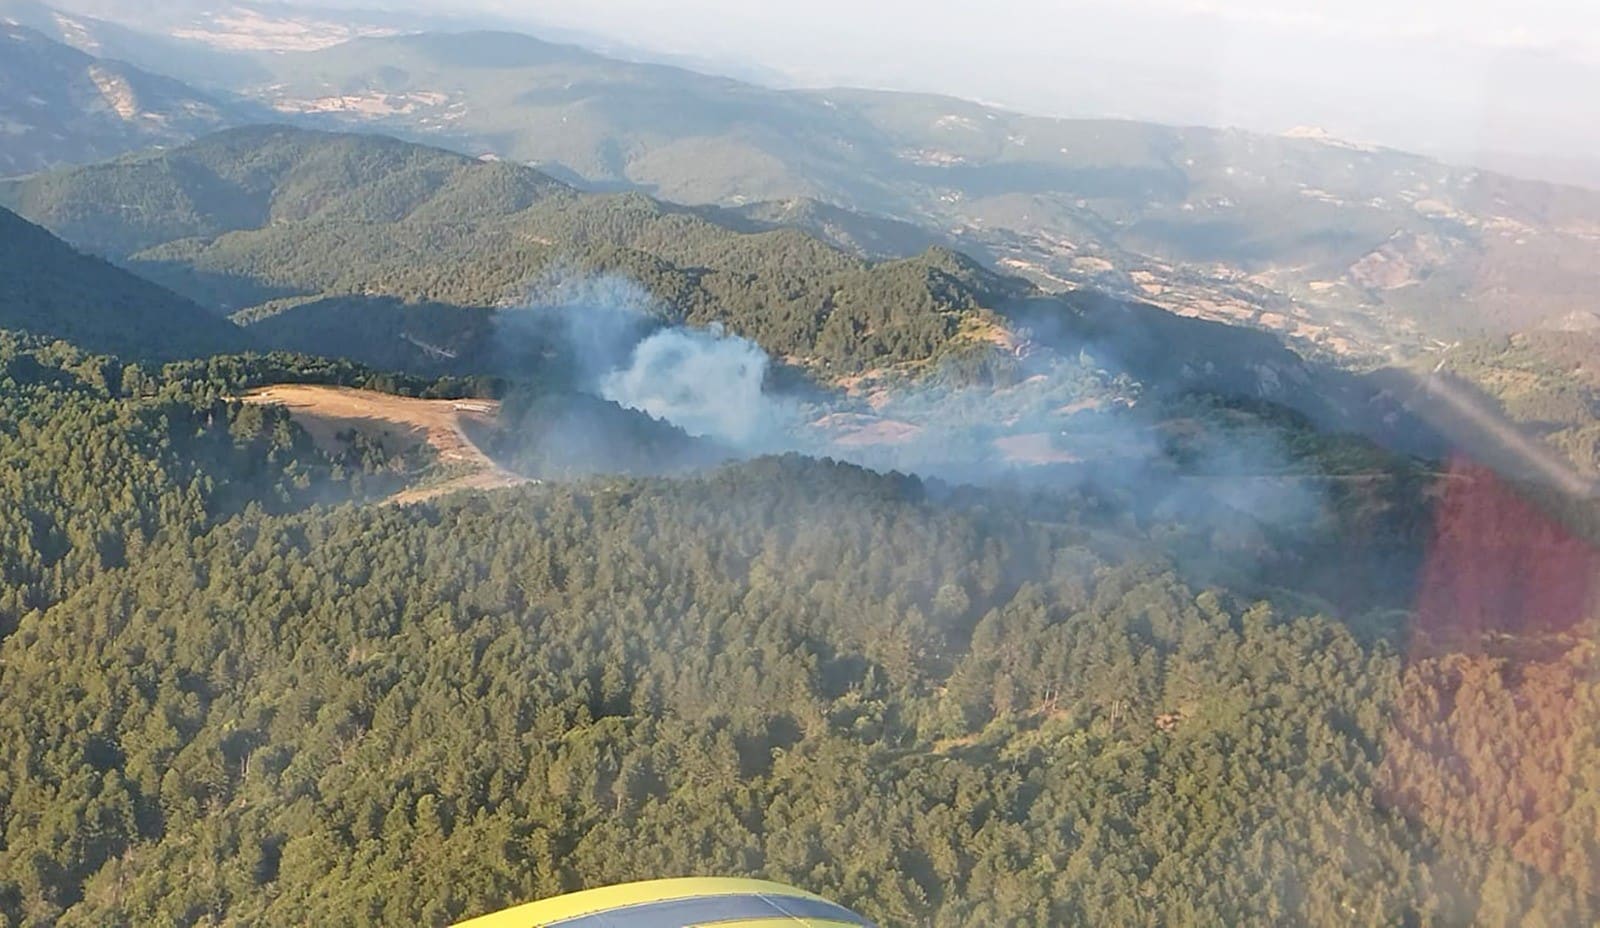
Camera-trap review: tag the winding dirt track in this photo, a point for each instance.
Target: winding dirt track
(398, 423)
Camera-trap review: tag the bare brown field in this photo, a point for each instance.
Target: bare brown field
(399, 423)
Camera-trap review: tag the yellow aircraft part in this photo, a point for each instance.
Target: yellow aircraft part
(787, 923)
(641, 899)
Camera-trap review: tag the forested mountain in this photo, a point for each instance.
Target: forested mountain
(104, 458)
(1544, 379)
(304, 223)
(399, 256)
(403, 256)
(917, 515)
(59, 105)
(939, 706)
(48, 288)
(256, 215)
(1200, 696)
(866, 234)
(1351, 250)
(249, 178)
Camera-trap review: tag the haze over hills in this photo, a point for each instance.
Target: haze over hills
(1492, 85)
(246, 25)
(1363, 254)
(405, 256)
(59, 105)
(1441, 78)
(193, 62)
(1344, 252)
(1347, 250)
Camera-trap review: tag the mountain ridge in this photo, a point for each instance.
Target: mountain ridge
(1351, 252)
(49, 289)
(252, 215)
(392, 254)
(1270, 231)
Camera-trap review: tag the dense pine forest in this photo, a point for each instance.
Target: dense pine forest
(238, 694)
(47, 288)
(1238, 649)
(443, 468)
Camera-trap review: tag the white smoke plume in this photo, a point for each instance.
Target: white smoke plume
(620, 345)
(704, 381)
(617, 342)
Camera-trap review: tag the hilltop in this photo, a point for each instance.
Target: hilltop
(403, 714)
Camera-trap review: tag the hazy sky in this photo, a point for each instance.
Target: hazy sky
(1457, 77)
(1570, 24)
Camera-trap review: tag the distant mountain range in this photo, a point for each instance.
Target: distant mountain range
(59, 105)
(1347, 252)
(397, 254)
(1342, 249)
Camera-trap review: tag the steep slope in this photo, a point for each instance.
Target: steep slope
(1347, 250)
(1546, 380)
(47, 288)
(59, 105)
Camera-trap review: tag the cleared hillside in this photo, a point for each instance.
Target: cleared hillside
(333, 416)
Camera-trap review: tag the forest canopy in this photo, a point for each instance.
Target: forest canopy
(237, 695)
